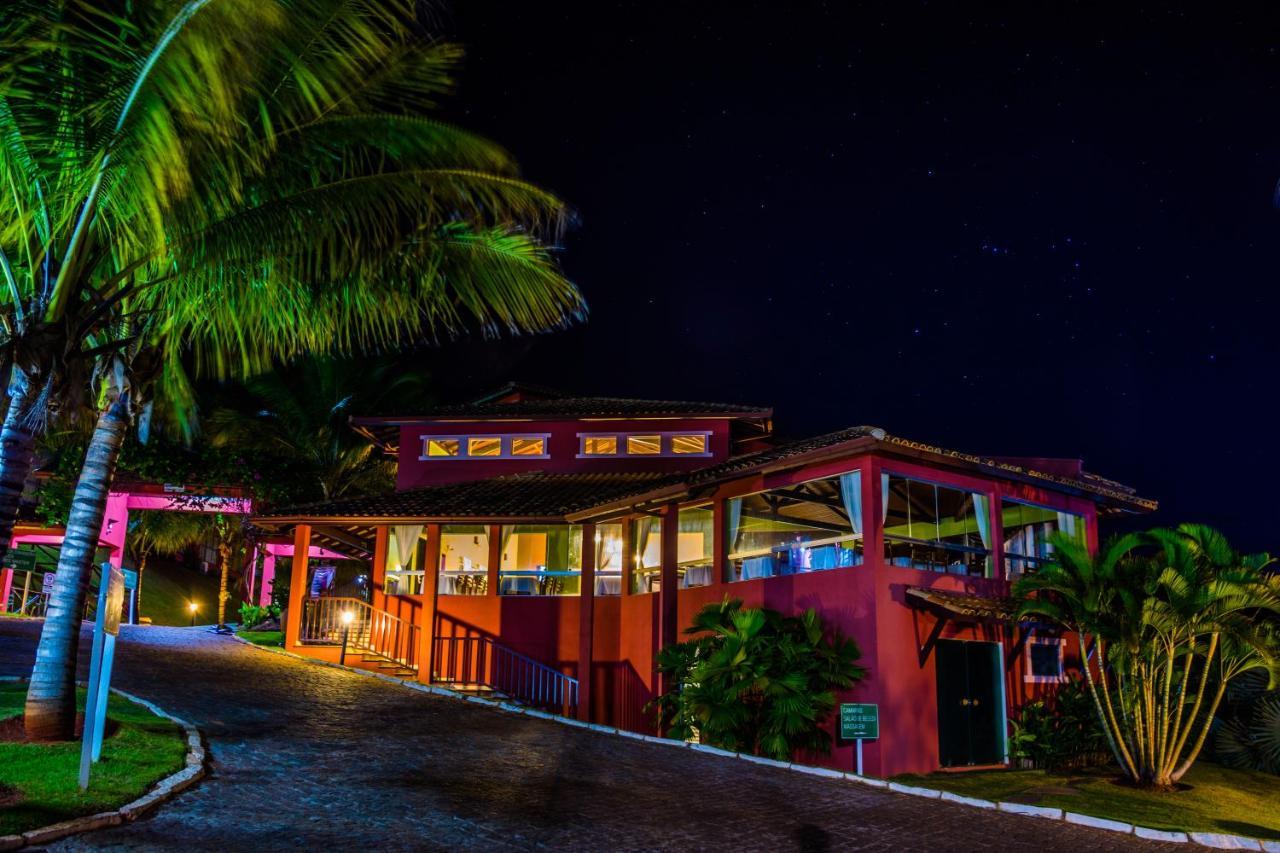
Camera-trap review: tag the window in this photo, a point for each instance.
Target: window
(646, 544)
(686, 444)
(1027, 530)
(443, 446)
(484, 447)
(404, 566)
(464, 559)
(600, 445)
(1044, 660)
(623, 444)
(541, 559)
(809, 527)
(695, 546)
(644, 445)
(608, 559)
(935, 528)
(528, 447)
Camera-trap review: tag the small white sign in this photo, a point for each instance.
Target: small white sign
(47, 584)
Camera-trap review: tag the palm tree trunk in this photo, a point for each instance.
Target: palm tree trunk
(224, 557)
(51, 699)
(142, 567)
(17, 448)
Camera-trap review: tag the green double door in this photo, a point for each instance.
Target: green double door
(970, 703)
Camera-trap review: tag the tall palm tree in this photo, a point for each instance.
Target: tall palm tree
(1165, 622)
(223, 184)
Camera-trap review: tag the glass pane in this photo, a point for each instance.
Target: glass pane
(936, 528)
(608, 559)
(1046, 659)
(442, 447)
(484, 447)
(1027, 529)
(464, 559)
(646, 544)
(600, 446)
(644, 445)
(801, 528)
(528, 446)
(694, 547)
(541, 559)
(688, 444)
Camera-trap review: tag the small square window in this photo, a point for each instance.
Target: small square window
(443, 447)
(484, 447)
(528, 447)
(1044, 660)
(600, 445)
(644, 445)
(688, 444)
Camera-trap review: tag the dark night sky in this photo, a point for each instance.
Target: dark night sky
(1036, 231)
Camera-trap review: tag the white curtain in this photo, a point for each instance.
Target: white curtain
(406, 542)
(1067, 524)
(851, 496)
(733, 521)
(982, 515)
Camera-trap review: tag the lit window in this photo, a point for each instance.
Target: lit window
(688, 444)
(484, 447)
(644, 445)
(528, 447)
(1044, 660)
(443, 446)
(600, 445)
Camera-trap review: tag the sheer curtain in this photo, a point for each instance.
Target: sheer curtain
(851, 496)
(982, 515)
(407, 536)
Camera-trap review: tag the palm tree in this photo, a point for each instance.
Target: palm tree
(1165, 622)
(223, 184)
(161, 532)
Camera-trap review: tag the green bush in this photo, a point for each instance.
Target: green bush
(1247, 732)
(1061, 732)
(252, 614)
(755, 681)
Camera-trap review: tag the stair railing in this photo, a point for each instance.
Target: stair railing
(479, 661)
(370, 630)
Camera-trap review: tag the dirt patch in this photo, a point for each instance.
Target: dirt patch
(12, 730)
(9, 796)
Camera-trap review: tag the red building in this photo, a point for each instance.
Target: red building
(546, 546)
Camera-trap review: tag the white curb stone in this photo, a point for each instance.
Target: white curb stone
(714, 750)
(1160, 835)
(665, 741)
(866, 780)
(1271, 846)
(914, 791)
(1033, 811)
(1225, 842)
(1099, 822)
(967, 801)
(818, 771)
(768, 762)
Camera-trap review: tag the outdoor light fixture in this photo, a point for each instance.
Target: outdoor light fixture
(193, 607)
(346, 617)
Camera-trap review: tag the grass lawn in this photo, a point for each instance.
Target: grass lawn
(262, 638)
(1238, 802)
(142, 750)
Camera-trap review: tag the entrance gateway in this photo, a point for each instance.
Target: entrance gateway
(971, 712)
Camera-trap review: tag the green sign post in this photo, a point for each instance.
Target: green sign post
(859, 722)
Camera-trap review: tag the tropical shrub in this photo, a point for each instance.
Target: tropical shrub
(1061, 732)
(251, 614)
(753, 680)
(1166, 621)
(1247, 736)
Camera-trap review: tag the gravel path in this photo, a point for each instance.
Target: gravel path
(310, 757)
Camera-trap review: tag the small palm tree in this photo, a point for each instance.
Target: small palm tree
(1165, 622)
(161, 533)
(220, 185)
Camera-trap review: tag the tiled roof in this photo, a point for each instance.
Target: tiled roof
(534, 495)
(966, 604)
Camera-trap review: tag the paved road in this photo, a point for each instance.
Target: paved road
(309, 757)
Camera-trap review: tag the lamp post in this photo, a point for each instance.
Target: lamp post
(346, 617)
(193, 607)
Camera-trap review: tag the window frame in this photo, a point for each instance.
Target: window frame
(1029, 675)
(665, 438)
(505, 439)
(993, 498)
(1028, 561)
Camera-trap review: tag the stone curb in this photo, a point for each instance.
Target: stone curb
(164, 790)
(1204, 839)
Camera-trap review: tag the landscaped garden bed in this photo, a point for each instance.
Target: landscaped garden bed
(39, 781)
(1210, 798)
(262, 638)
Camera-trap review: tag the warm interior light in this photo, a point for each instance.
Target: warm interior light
(347, 616)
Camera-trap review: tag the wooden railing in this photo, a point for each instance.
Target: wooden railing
(479, 661)
(369, 630)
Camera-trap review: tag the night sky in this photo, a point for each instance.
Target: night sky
(1044, 229)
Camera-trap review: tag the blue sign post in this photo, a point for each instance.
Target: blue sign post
(105, 628)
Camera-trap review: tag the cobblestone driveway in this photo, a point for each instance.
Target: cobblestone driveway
(309, 757)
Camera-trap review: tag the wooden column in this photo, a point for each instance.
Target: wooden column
(427, 613)
(586, 620)
(495, 557)
(669, 589)
(298, 578)
(378, 571)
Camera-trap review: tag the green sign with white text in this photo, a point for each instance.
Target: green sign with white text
(859, 722)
